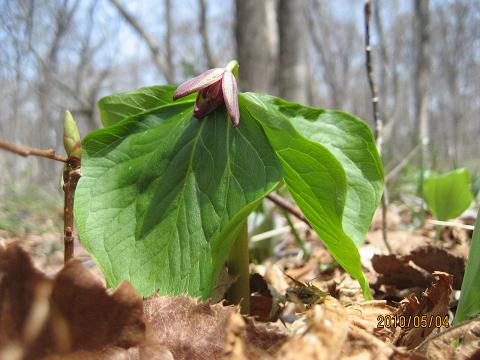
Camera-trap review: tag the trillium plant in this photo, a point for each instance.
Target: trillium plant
(168, 183)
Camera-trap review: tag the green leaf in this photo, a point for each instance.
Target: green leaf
(163, 196)
(469, 304)
(329, 158)
(117, 107)
(318, 171)
(351, 141)
(448, 195)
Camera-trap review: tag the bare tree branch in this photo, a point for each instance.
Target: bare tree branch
(158, 58)
(285, 205)
(26, 151)
(376, 118)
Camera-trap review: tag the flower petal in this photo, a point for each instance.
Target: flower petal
(230, 96)
(204, 105)
(201, 81)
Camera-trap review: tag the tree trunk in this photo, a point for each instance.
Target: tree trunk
(422, 70)
(292, 50)
(255, 45)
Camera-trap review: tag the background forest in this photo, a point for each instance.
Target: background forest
(59, 54)
(67, 54)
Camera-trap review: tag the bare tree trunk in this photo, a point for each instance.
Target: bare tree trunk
(254, 46)
(292, 50)
(422, 70)
(203, 29)
(168, 39)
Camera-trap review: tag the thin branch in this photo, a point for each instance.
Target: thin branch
(158, 58)
(377, 120)
(285, 205)
(27, 151)
(392, 174)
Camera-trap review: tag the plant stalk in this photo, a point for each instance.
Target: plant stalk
(71, 175)
(238, 266)
(300, 242)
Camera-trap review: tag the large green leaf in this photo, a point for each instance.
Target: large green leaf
(351, 141)
(117, 107)
(329, 159)
(469, 304)
(320, 174)
(448, 195)
(163, 196)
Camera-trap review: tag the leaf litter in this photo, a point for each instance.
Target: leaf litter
(69, 314)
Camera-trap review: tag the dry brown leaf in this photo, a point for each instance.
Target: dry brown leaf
(363, 345)
(189, 329)
(262, 306)
(332, 331)
(325, 333)
(443, 346)
(66, 317)
(433, 303)
(401, 241)
(399, 272)
(434, 258)
(198, 330)
(365, 315)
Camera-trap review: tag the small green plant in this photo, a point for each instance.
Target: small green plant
(448, 195)
(469, 304)
(167, 185)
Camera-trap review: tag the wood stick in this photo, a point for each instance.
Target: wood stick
(27, 151)
(376, 117)
(285, 205)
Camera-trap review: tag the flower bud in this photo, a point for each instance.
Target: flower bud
(71, 137)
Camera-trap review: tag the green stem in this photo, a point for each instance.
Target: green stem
(300, 242)
(238, 266)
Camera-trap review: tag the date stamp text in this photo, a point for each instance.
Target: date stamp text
(423, 321)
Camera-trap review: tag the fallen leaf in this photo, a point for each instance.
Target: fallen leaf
(325, 333)
(332, 331)
(432, 304)
(398, 271)
(198, 330)
(262, 307)
(68, 316)
(434, 258)
(363, 345)
(443, 346)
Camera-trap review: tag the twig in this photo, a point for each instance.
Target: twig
(26, 151)
(452, 224)
(399, 167)
(278, 231)
(285, 205)
(158, 57)
(377, 120)
(71, 175)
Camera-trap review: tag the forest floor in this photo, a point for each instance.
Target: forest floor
(301, 308)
